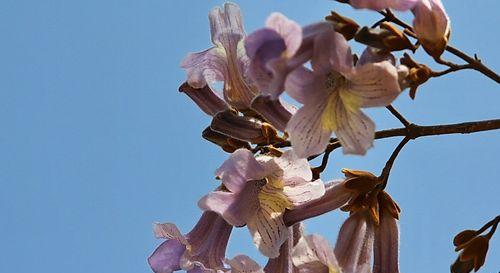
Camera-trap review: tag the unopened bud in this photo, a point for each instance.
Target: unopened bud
(386, 38)
(343, 25)
(432, 26)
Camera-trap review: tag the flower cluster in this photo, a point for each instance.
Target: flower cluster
(269, 189)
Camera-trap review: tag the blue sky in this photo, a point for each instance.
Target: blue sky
(97, 143)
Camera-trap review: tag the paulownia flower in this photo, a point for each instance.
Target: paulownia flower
(313, 254)
(226, 61)
(200, 251)
(371, 227)
(270, 50)
(333, 93)
(431, 23)
(432, 26)
(257, 191)
(243, 264)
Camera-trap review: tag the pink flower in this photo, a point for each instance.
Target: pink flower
(226, 61)
(270, 50)
(432, 26)
(200, 251)
(313, 254)
(243, 264)
(257, 191)
(371, 228)
(333, 93)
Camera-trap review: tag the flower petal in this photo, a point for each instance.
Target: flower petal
(243, 264)
(208, 241)
(227, 33)
(262, 46)
(205, 67)
(236, 209)
(386, 246)
(336, 195)
(376, 84)
(268, 231)
(224, 23)
(302, 84)
(169, 231)
(313, 254)
(401, 5)
(355, 131)
(350, 242)
(300, 191)
(432, 26)
(288, 29)
(308, 134)
(373, 55)
(331, 52)
(238, 169)
(166, 258)
(293, 166)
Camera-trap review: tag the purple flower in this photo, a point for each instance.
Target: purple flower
(333, 93)
(257, 191)
(432, 26)
(200, 251)
(371, 228)
(270, 50)
(313, 254)
(226, 61)
(243, 264)
(401, 5)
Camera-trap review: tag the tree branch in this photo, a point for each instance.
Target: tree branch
(474, 63)
(398, 115)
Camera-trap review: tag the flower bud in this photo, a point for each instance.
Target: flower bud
(387, 38)
(432, 26)
(464, 237)
(343, 25)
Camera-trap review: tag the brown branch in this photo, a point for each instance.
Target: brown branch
(384, 176)
(398, 115)
(451, 69)
(474, 63)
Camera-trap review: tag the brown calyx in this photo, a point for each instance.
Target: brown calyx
(368, 195)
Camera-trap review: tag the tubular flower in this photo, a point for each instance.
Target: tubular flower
(332, 95)
(401, 5)
(226, 61)
(371, 227)
(313, 254)
(243, 264)
(200, 251)
(432, 26)
(270, 50)
(257, 191)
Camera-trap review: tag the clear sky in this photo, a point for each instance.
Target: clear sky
(96, 143)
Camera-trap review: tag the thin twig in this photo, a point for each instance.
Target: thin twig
(324, 162)
(451, 69)
(473, 62)
(494, 228)
(384, 176)
(398, 115)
